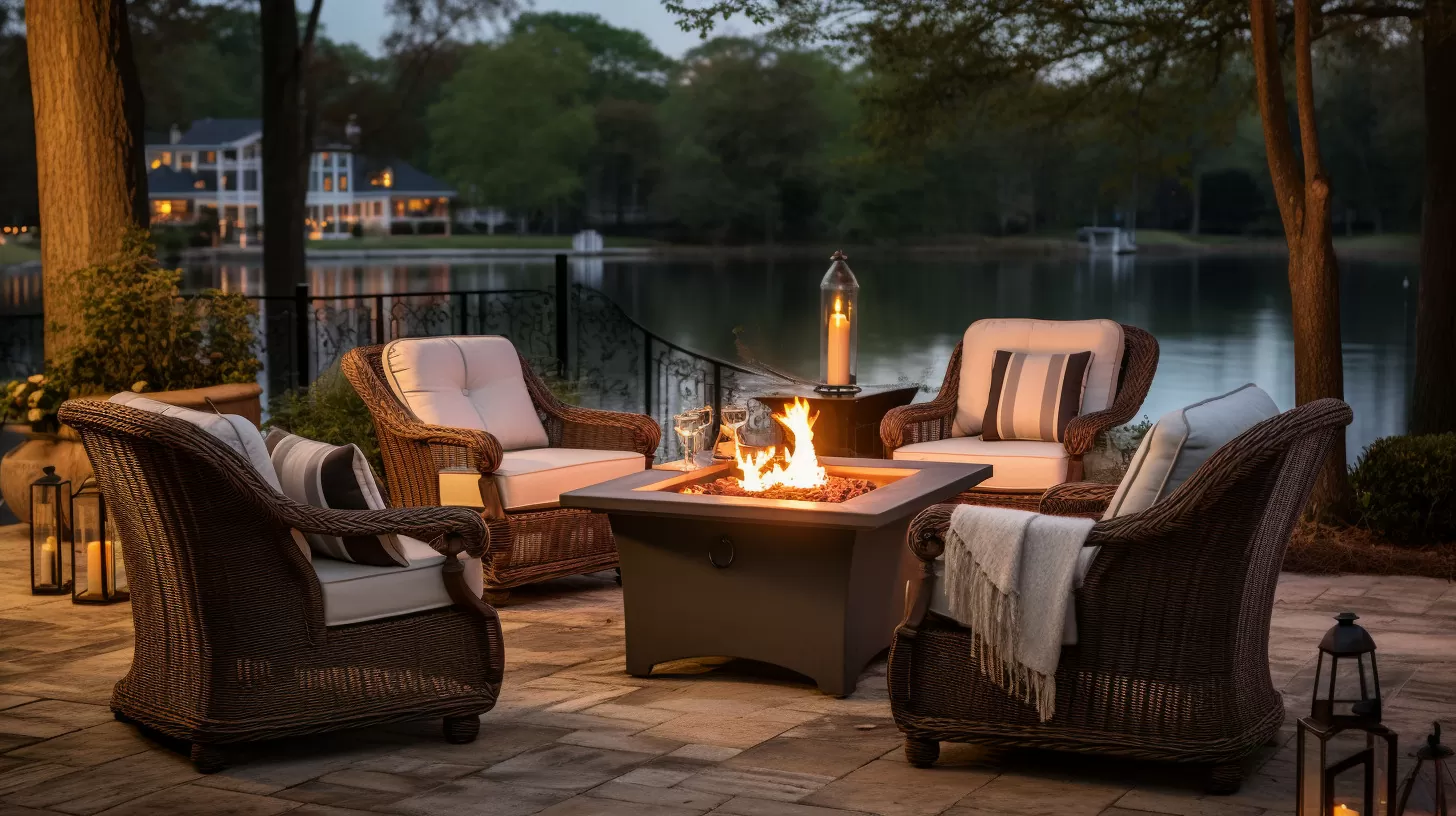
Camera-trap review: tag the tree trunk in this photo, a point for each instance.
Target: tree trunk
(1433, 409)
(1304, 208)
(90, 157)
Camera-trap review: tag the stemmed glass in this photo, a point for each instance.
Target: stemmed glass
(705, 421)
(733, 417)
(687, 425)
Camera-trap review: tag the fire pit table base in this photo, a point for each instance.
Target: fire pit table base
(820, 602)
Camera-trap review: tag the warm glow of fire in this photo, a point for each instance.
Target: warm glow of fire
(801, 467)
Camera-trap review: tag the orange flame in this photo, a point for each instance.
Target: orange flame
(801, 467)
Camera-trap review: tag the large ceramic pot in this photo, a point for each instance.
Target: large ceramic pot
(23, 463)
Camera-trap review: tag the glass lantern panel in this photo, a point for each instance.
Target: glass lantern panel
(48, 515)
(1380, 772)
(1311, 774)
(95, 559)
(1353, 682)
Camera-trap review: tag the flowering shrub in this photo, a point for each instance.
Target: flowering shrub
(33, 400)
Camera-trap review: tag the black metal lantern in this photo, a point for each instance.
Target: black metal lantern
(97, 573)
(50, 516)
(1343, 754)
(838, 328)
(1431, 786)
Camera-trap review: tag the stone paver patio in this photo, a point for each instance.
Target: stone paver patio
(573, 734)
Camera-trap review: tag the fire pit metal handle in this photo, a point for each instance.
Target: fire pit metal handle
(725, 541)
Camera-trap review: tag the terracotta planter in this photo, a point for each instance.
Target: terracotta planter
(23, 465)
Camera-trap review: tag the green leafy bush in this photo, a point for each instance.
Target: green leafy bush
(328, 411)
(34, 401)
(1405, 488)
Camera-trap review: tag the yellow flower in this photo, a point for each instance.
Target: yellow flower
(35, 415)
(36, 396)
(139, 386)
(36, 378)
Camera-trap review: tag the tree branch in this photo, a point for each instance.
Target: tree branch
(1304, 91)
(1274, 111)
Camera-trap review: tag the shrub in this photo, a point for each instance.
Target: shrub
(34, 401)
(328, 411)
(1405, 488)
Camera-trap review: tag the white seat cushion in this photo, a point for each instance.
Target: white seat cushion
(465, 382)
(1015, 464)
(538, 477)
(984, 337)
(236, 432)
(1181, 441)
(358, 592)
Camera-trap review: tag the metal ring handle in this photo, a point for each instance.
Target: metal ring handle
(732, 553)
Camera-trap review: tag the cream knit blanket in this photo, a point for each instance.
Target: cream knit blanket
(1009, 577)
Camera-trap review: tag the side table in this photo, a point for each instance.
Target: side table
(848, 425)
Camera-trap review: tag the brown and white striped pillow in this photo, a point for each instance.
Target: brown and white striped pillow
(1034, 394)
(337, 477)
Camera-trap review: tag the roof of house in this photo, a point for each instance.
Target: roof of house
(219, 131)
(164, 181)
(405, 178)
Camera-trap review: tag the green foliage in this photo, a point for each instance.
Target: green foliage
(136, 332)
(34, 401)
(1405, 488)
(512, 126)
(1124, 440)
(329, 411)
(624, 63)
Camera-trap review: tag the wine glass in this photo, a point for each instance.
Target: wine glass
(733, 417)
(687, 425)
(705, 422)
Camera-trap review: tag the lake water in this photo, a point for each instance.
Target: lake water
(1221, 321)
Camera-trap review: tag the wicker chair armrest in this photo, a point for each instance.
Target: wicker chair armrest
(610, 430)
(1137, 377)
(926, 536)
(448, 530)
(482, 446)
(1077, 499)
(917, 422)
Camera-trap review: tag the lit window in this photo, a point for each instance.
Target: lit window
(184, 161)
(164, 207)
(343, 182)
(210, 157)
(384, 178)
(199, 185)
(328, 183)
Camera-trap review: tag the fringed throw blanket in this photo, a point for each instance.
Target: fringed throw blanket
(1009, 577)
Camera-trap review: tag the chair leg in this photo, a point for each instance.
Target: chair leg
(1225, 778)
(208, 759)
(461, 730)
(922, 753)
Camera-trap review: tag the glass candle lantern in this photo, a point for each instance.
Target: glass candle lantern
(838, 328)
(97, 572)
(1344, 756)
(50, 516)
(1430, 789)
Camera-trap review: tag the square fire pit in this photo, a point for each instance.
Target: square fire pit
(815, 587)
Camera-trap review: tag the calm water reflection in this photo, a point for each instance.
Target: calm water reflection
(1221, 321)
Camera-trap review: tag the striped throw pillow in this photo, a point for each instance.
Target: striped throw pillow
(337, 477)
(1034, 394)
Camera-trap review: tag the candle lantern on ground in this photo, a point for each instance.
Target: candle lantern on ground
(50, 516)
(1344, 756)
(97, 573)
(1430, 789)
(838, 328)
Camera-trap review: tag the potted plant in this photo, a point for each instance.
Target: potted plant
(135, 332)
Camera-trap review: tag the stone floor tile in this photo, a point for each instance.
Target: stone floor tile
(592, 806)
(760, 783)
(748, 806)
(647, 776)
(27, 774)
(341, 796)
(621, 742)
(897, 789)
(1013, 793)
(13, 700)
(715, 729)
(626, 791)
(473, 796)
(95, 789)
(92, 746)
(497, 742)
(195, 799)
(1182, 805)
(565, 767)
(379, 781)
(710, 753)
(51, 718)
(415, 767)
(814, 756)
(328, 810)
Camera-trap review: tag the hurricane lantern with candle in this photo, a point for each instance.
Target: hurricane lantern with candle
(97, 573)
(838, 328)
(50, 517)
(1431, 786)
(1344, 713)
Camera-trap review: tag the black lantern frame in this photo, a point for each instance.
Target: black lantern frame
(1431, 785)
(50, 518)
(1343, 643)
(94, 543)
(1319, 774)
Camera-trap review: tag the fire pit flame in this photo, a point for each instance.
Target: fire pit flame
(801, 467)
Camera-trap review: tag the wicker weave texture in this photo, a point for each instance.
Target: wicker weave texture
(1173, 618)
(526, 546)
(231, 644)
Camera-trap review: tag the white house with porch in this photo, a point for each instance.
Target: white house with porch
(215, 167)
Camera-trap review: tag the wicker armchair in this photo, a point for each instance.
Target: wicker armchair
(1173, 619)
(231, 640)
(527, 546)
(932, 420)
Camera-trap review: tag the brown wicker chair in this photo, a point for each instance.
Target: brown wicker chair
(932, 420)
(528, 546)
(231, 644)
(1172, 620)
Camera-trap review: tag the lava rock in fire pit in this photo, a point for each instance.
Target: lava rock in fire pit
(835, 489)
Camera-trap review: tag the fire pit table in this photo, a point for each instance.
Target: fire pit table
(813, 586)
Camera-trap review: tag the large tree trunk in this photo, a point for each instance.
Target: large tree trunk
(90, 157)
(1304, 208)
(285, 182)
(1434, 406)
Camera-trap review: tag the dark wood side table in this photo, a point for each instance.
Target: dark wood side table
(847, 425)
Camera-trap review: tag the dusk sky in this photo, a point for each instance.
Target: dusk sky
(364, 21)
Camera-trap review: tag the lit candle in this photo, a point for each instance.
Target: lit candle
(94, 585)
(48, 561)
(837, 364)
(1341, 810)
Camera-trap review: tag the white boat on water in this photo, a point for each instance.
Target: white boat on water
(1114, 240)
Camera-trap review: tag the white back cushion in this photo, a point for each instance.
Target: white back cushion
(978, 352)
(1181, 441)
(234, 431)
(465, 382)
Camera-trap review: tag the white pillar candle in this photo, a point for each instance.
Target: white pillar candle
(837, 362)
(94, 585)
(1341, 810)
(48, 561)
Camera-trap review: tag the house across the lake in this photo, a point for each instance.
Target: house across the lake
(215, 168)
